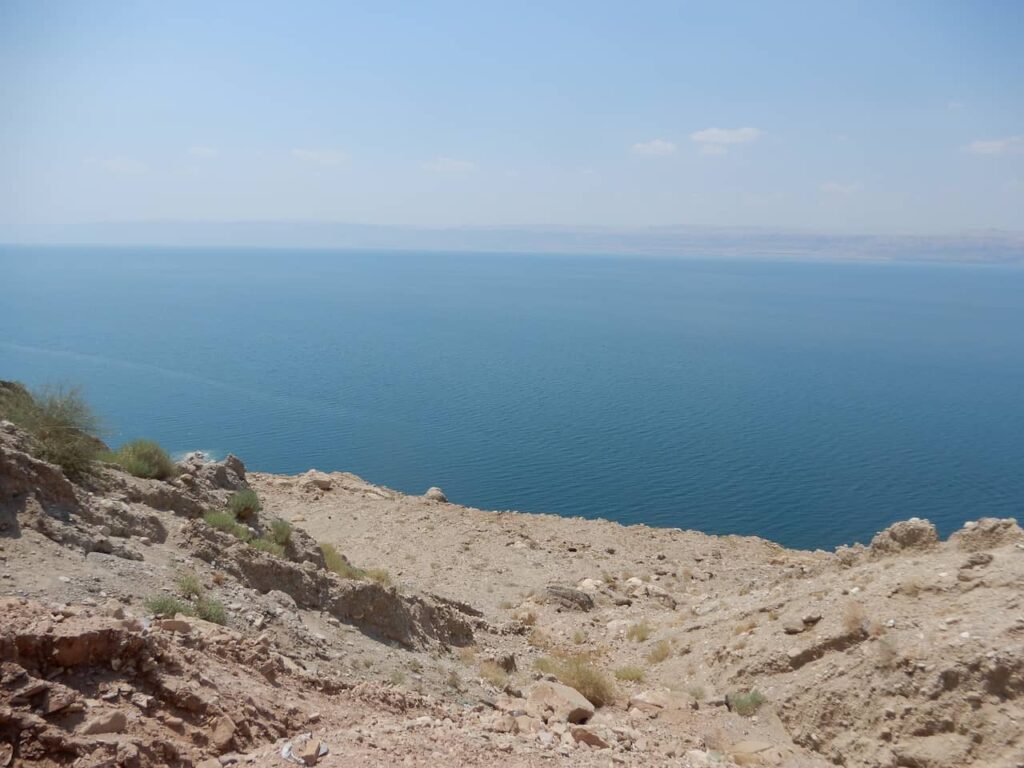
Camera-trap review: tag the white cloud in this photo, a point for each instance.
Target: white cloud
(725, 135)
(654, 147)
(118, 165)
(449, 165)
(203, 152)
(327, 158)
(954, 106)
(1011, 145)
(838, 189)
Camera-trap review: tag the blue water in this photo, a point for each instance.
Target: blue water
(810, 403)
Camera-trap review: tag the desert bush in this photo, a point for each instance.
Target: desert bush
(244, 504)
(336, 562)
(226, 522)
(854, 619)
(630, 674)
(281, 532)
(578, 672)
(745, 704)
(190, 586)
(144, 458)
(211, 610)
(269, 546)
(579, 637)
(492, 672)
(63, 427)
(379, 575)
(638, 633)
(661, 651)
(696, 691)
(166, 606)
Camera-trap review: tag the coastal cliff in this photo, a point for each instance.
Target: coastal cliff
(220, 617)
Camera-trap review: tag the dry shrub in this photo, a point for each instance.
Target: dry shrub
(492, 672)
(640, 632)
(630, 674)
(661, 651)
(855, 619)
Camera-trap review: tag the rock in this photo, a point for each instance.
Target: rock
(568, 597)
(316, 479)
(113, 609)
(556, 702)
(987, 533)
(507, 661)
(793, 626)
(176, 624)
(435, 494)
(651, 703)
(108, 722)
(210, 762)
(913, 534)
(309, 753)
(587, 736)
(222, 735)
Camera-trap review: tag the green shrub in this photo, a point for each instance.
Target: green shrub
(745, 704)
(144, 458)
(166, 606)
(244, 504)
(379, 575)
(336, 562)
(281, 532)
(190, 586)
(63, 427)
(630, 673)
(269, 546)
(225, 521)
(211, 610)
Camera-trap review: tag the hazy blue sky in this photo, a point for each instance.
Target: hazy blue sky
(887, 116)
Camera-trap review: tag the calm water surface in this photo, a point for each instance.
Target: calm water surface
(810, 403)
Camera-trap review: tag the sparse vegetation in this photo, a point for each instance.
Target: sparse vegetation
(632, 674)
(639, 632)
(190, 586)
(379, 575)
(854, 619)
(211, 610)
(144, 458)
(226, 522)
(696, 691)
(337, 563)
(745, 704)
(578, 672)
(244, 504)
(269, 546)
(492, 672)
(661, 651)
(281, 532)
(166, 606)
(63, 427)
(579, 637)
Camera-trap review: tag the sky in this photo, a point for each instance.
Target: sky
(874, 117)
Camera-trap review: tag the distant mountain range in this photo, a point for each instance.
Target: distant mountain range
(987, 246)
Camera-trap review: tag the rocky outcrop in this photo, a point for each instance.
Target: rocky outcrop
(912, 534)
(414, 621)
(987, 533)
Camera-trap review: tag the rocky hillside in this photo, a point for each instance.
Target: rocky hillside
(179, 622)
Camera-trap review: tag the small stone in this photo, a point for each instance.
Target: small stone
(588, 737)
(108, 722)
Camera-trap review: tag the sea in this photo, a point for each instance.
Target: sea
(811, 403)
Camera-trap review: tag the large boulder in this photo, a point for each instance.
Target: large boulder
(554, 702)
(568, 597)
